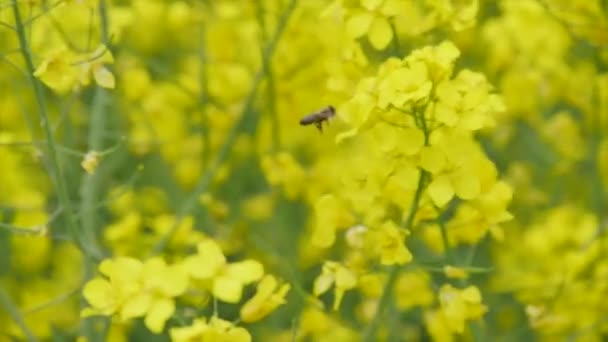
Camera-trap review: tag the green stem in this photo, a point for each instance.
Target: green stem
(55, 301)
(203, 97)
(270, 86)
(28, 231)
(13, 311)
(396, 43)
(104, 22)
(190, 202)
(90, 187)
(370, 332)
(89, 193)
(60, 184)
(445, 241)
(90, 190)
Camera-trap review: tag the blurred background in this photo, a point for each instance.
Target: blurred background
(140, 128)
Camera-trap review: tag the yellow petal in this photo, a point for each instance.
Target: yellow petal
(136, 306)
(432, 159)
(371, 4)
(160, 311)
(189, 333)
(322, 284)
(412, 140)
(246, 271)
(104, 77)
(207, 262)
(466, 185)
(358, 24)
(380, 33)
(393, 7)
(227, 289)
(345, 279)
(471, 294)
(121, 269)
(98, 292)
(441, 190)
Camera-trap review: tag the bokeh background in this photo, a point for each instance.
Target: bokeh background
(458, 194)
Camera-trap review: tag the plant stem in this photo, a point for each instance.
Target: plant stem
(90, 189)
(204, 95)
(190, 202)
(445, 241)
(370, 332)
(60, 184)
(270, 85)
(11, 309)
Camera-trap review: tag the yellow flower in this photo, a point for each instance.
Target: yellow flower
(458, 167)
(225, 281)
(330, 215)
(414, 289)
(390, 240)
(63, 70)
(135, 289)
(372, 18)
(439, 59)
(473, 219)
(57, 72)
(358, 111)
(455, 272)
(90, 162)
(93, 64)
(466, 102)
(216, 208)
(216, 329)
(107, 295)
(265, 300)
(258, 207)
(407, 83)
(161, 282)
(335, 274)
(283, 170)
(460, 305)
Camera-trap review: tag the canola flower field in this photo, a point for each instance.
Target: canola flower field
(303, 170)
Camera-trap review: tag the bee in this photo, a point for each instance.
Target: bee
(319, 117)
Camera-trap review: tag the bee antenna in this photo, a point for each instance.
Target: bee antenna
(331, 108)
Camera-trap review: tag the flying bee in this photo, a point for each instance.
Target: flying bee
(317, 118)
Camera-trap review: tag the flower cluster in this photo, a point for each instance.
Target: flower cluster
(409, 157)
(129, 288)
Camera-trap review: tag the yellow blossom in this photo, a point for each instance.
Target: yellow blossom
(455, 272)
(224, 280)
(216, 329)
(460, 305)
(372, 18)
(413, 289)
(331, 215)
(135, 289)
(265, 300)
(390, 242)
(337, 275)
(90, 162)
(64, 70)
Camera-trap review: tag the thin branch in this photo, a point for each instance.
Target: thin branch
(190, 202)
(60, 182)
(13, 312)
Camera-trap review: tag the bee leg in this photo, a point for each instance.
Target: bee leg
(319, 125)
